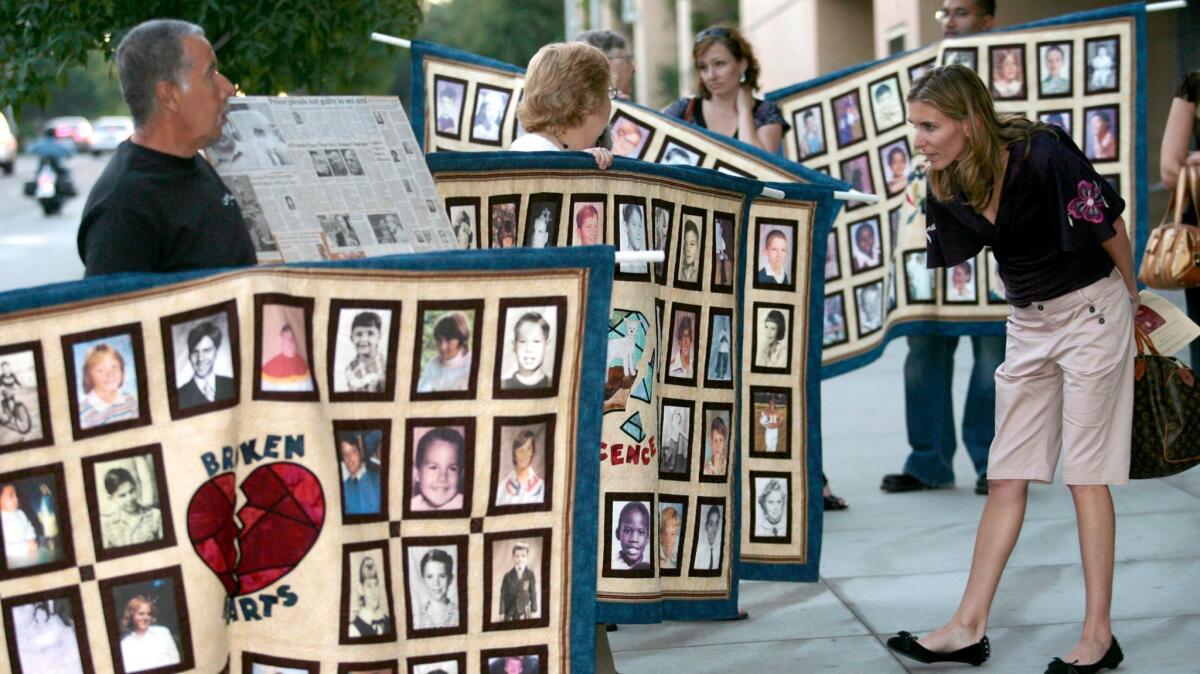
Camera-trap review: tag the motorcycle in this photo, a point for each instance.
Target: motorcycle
(51, 187)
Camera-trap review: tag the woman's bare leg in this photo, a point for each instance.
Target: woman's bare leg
(1097, 539)
(999, 528)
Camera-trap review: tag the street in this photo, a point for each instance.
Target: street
(36, 249)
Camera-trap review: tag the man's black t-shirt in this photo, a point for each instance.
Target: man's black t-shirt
(155, 212)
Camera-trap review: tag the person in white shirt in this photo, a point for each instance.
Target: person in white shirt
(568, 100)
(708, 550)
(146, 645)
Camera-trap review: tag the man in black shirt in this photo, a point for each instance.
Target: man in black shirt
(159, 206)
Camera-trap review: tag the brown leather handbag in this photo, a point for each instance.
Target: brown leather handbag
(1172, 257)
(1166, 414)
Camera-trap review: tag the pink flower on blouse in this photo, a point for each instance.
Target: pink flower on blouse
(1086, 206)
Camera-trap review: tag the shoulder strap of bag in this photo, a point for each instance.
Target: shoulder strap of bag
(1187, 189)
(689, 114)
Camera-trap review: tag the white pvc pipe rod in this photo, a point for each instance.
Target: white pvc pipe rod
(640, 256)
(855, 195)
(395, 41)
(1171, 4)
(773, 193)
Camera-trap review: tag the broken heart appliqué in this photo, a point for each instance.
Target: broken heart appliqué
(280, 523)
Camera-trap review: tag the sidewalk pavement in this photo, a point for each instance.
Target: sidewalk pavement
(900, 561)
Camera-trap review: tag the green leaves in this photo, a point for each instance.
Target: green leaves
(314, 46)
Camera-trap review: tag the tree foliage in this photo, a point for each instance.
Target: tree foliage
(501, 29)
(316, 46)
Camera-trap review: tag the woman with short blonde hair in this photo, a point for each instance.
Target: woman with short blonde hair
(567, 101)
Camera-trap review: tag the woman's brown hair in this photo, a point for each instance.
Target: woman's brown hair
(958, 93)
(737, 45)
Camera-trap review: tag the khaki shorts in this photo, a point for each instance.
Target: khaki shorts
(1067, 382)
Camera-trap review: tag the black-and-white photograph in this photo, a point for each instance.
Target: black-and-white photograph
(1103, 63)
(865, 245)
(250, 140)
(809, 125)
(203, 357)
(1008, 72)
(960, 283)
(516, 579)
(772, 338)
(491, 106)
(675, 439)
(338, 232)
(364, 337)
(869, 303)
(629, 528)
(723, 252)
(46, 633)
(127, 502)
(678, 153)
(887, 108)
(435, 588)
(463, 214)
(1055, 73)
(708, 538)
(771, 493)
(353, 164)
(522, 463)
(367, 606)
(963, 56)
(450, 94)
(920, 69)
(337, 162)
(834, 328)
(35, 522)
(661, 234)
(386, 227)
(541, 220)
(529, 347)
(147, 619)
(363, 453)
(632, 236)
(24, 402)
(257, 663)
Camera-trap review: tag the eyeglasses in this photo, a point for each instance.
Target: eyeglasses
(716, 31)
(959, 13)
(612, 93)
(628, 58)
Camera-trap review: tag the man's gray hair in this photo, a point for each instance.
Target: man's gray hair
(604, 40)
(148, 54)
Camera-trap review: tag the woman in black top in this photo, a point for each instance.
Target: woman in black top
(1183, 127)
(1054, 226)
(726, 77)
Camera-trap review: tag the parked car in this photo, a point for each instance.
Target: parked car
(8, 146)
(75, 130)
(109, 132)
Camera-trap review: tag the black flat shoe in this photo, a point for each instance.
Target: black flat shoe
(1112, 658)
(902, 482)
(981, 485)
(833, 502)
(906, 644)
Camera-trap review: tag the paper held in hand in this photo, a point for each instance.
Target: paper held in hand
(1168, 327)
